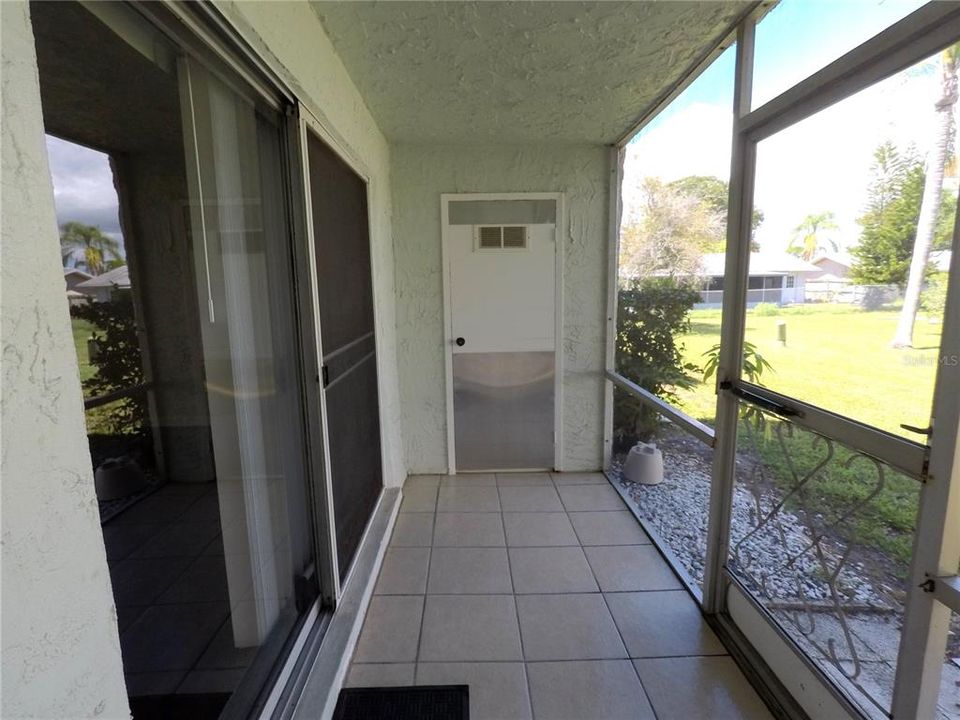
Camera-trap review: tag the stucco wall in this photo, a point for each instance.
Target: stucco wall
(290, 35)
(420, 174)
(61, 650)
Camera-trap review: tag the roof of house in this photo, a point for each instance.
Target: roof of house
(761, 263)
(841, 258)
(118, 277)
(829, 278)
(76, 271)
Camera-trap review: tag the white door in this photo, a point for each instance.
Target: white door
(501, 257)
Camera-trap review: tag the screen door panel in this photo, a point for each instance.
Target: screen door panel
(345, 293)
(502, 275)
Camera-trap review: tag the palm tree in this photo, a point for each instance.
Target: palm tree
(808, 238)
(99, 250)
(932, 191)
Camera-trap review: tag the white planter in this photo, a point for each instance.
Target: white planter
(117, 478)
(644, 464)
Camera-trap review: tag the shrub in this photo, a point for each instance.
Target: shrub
(117, 361)
(766, 309)
(933, 299)
(651, 315)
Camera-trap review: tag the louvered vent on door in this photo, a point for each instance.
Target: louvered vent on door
(490, 237)
(501, 237)
(515, 237)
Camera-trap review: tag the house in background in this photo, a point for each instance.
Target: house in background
(73, 277)
(940, 260)
(834, 265)
(832, 283)
(777, 278)
(100, 288)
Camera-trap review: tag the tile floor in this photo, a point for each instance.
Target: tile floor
(170, 587)
(543, 594)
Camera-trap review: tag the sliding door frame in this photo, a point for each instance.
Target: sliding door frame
(933, 588)
(308, 122)
(202, 31)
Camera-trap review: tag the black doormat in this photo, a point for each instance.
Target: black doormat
(424, 702)
(205, 706)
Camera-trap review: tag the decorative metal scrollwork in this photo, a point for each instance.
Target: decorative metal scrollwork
(802, 585)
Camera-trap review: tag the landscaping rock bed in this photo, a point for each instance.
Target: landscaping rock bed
(869, 592)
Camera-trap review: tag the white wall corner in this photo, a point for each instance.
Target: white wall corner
(61, 648)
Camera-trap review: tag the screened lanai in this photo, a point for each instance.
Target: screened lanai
(592, 359)
(801, 483)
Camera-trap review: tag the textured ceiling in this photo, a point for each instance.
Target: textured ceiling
(518, 72)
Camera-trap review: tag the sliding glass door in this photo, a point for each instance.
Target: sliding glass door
(240, 237)
(189, 335)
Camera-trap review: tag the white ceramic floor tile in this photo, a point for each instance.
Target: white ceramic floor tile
(469, 480)
(469, 530)
(568, 627)
(699, 688)
(550, 570)
(470, 628)
(579, 478)
(538, 529)
(420, 481)
(498, 691)
(587, 690)
(469, 499)
(404, 571)
(380, 675)
(419, 499)
(469, 571)
(662, 624)
(590, 497)
(413, 530)
(391, 630)
(530, 499)
(521, 479)
(608, 528)
(626, 568)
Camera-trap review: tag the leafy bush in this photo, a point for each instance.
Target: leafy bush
(117, 361)
(753, 363)
(933, 300)
(651, 315)
(766, 309)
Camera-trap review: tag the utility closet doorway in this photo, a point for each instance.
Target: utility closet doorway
(501, 294)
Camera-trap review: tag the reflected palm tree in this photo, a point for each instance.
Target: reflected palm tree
(98, 249)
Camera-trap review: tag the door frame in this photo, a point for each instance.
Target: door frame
(308, 122)
(559, 226)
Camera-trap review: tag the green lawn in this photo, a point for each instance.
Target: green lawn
(839, 358)
(81, 331)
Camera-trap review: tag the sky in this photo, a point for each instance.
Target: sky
(821, 164)
(83, 186)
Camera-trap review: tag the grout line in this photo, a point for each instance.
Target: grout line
(623, 641)
(530, 662)
(426, 588)
(516, 609)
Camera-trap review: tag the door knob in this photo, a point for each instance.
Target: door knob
(460, 342)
